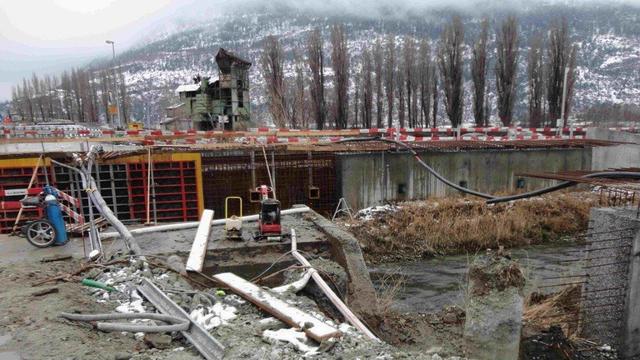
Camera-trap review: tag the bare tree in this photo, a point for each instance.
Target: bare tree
(67, 99)
(389, 76)
(27, 95)
(367, 88)
(411, 78)
(357, 108)
(450, 63)
(479, 73)
(562, 57)
(49, 85)
(400, 92)
(378, 63)
(38, 95)
(425, 72)
(434, 91)
(300, 98)
(506, 68)
(124, 98)
(340, 64)
(316, 67)
(535, 74)
(272, 60)
(104, 94)
(16, 101)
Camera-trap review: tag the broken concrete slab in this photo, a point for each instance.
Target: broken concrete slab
(495, 302)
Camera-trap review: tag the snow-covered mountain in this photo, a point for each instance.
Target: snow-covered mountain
(608, 37)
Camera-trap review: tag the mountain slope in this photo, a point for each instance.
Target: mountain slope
(608, 37)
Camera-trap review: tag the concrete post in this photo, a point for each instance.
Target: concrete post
(610, 311)
(493, 321)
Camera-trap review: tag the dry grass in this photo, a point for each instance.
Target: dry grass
(391, 285)
(561, 308)
(458, 225)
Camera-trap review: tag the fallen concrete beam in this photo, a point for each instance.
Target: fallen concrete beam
(199, 247)
(314, 328)
(194, 224)
(339, 304)
(346, 251)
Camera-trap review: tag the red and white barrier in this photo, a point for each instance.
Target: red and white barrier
(275, 135)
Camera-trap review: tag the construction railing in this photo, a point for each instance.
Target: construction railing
(266, 135)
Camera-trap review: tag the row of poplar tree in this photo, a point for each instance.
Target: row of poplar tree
(404, 82)
(80, 95)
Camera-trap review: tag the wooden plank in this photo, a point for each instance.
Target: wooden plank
(289, 314)
(199, 247)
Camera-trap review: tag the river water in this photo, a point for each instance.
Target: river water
(433, 283)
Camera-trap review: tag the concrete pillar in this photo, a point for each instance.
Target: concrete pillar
(610, 311)
(493, 322)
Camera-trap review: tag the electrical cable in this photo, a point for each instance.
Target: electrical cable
(491, 199)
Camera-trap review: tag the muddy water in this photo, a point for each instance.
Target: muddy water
(431, 284)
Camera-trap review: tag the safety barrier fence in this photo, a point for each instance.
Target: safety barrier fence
(275, 135)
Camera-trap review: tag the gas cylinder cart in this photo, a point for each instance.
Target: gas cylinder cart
(51, 229)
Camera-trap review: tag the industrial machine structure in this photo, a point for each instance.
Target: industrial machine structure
(214, 103)
(269, 227)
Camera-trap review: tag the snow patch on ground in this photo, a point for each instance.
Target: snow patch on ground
(296, 338)
(369, 213)
(213, 316)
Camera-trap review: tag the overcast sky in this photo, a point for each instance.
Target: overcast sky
(48, 36)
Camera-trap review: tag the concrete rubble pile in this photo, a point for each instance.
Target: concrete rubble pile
(245, 330)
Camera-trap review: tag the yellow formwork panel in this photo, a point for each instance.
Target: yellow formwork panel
(22, 162)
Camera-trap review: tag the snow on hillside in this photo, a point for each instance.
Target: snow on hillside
(608, 66)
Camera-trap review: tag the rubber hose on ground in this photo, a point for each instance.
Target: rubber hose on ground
(177, 324)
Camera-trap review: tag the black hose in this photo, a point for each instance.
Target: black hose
(565, 184)
(491, 199)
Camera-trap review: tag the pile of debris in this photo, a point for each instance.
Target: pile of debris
(245, 330)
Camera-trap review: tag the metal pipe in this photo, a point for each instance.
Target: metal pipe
(94, 237)
(194, 224)
(106, 212)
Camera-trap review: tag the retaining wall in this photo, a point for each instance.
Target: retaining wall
(618, 156)
(374, 178)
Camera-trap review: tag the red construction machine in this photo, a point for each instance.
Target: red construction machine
(269, 227)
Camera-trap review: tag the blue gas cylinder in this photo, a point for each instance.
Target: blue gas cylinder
(54, 215)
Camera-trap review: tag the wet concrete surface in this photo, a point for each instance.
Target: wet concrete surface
(18, 249)
(431, 284)
(7, 354)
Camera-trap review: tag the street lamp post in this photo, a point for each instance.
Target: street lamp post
(115, 81)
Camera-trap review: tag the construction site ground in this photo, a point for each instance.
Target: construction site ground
(30, 327)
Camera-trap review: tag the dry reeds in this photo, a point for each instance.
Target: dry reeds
(561, 308)
(458, 225)
(391, 285)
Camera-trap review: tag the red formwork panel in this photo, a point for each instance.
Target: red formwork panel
(176, 192)
(16, 174)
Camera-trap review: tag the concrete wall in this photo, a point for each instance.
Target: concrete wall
(619, 156)
(373, 178)
(610, 309)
